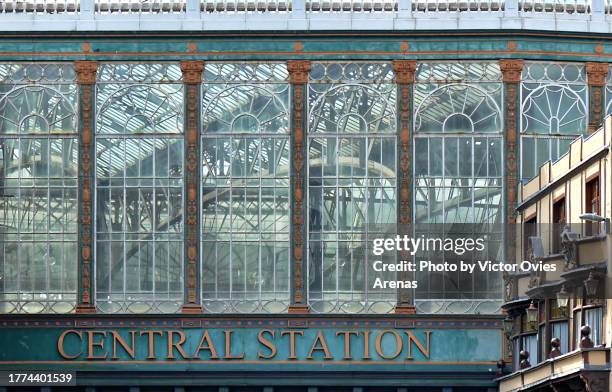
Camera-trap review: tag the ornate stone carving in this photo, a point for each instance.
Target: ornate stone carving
(569, 247)
(192, 78)
(298, 77)
(86, 77)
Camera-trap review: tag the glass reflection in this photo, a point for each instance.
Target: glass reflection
(352, 183)
(245, 188)
(38, 188)
(139, 188)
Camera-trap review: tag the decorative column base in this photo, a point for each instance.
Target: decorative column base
(85, 309)
(404, 309)
(192, 309)
(298, 309)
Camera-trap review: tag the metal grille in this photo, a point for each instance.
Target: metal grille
(139, 195)
(38, 188)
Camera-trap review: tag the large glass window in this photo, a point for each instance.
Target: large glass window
(458, 177)
(139, 179)
(553, 112)
(38, 188)
(245, 187)
(352, 183)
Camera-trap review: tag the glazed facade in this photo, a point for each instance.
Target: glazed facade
(350, 166)
(230, 183)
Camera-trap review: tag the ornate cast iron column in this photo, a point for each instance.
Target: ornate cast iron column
(298, 77)
(404, 77)
(596, 78)
(192, 80)
(86, 78)
(511, 73)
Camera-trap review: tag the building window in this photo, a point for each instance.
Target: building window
(592, 205)
(352, 183)
(458, 177)
(553, 112)
(38, 188)
(139, 196)
(593, 317)
(559, 325)
(530, 229)
(560, 329)
(588, 311)
(558, 224)
(245, 187)
(526, 339)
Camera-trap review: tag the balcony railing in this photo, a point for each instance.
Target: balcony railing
(100, 15)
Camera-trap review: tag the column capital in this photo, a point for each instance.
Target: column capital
(596, 74)
(298, 71)
(192, 71)
(404, 70)
(511, 70)
(86, 71)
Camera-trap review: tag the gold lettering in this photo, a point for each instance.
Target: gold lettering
(292, 341)
(398, 344)
(93, 344)
(320, 345)
(60, 344)
(209, 346)
(128, 349)
(422, 349)
(270, 345)
(366, 345)
(151, 341)
(347, 342)
(228, 346)
(178, 346)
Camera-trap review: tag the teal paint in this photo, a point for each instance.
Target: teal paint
(450, 349)
(382, 46)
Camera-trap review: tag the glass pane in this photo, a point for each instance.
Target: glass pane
(458, 175)
(352, 197)
(245, 194)
(139, 186)
(38, 188)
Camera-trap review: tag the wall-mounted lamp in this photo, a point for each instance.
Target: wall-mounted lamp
(532, 313)
(562, 298)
